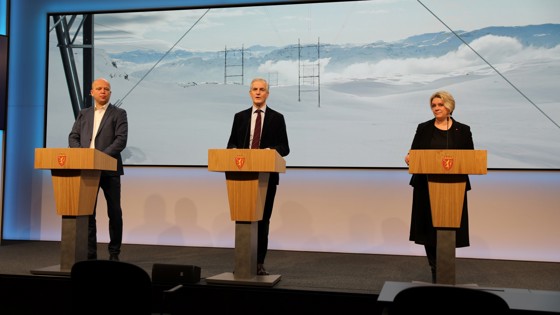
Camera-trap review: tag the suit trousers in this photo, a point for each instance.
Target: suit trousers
(264, 224)
(111, 186)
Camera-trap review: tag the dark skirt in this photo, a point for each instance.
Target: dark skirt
(422, 230)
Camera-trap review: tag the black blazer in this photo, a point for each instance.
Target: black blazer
(273, 134)
(111, 137)
(460, 139)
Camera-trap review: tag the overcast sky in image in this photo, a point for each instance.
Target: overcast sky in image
(385, 20)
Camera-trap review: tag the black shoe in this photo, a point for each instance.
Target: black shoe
(114, 257)
(261, 271)
(433, 275)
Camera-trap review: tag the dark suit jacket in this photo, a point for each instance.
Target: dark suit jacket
(111, 137)
(460, 138)
(273, 134)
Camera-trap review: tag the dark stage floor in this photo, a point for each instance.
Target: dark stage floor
(336, 274)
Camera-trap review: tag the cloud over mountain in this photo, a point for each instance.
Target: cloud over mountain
(414, 59)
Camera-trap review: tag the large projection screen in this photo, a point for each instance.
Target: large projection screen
(353, 78)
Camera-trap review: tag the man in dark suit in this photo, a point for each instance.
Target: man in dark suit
(272, 136)
(105, 128)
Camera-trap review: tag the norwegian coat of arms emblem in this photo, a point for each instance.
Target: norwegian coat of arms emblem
(239, 161)
(61, 159)
(447, 162)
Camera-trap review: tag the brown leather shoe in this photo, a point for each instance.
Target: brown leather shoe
(261, 271)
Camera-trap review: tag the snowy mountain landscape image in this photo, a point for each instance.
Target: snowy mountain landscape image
(352, 93)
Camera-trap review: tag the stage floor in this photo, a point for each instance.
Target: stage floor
(316, 271)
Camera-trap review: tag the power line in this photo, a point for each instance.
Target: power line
(498, 72)
(119, 102)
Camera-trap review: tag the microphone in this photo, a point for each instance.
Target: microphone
(245, 139)
(447, 133)
(242, 146)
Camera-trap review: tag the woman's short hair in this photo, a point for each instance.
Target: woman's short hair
(447, 98)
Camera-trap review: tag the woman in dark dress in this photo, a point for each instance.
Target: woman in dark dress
(441, 132)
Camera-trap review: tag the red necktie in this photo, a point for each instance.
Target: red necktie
(257, 133)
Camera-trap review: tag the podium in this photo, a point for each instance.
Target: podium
(447, 172)
(75, 177)
(247, 172)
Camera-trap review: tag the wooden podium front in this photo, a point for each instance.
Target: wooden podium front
(75, 177)
(447, 172)
(247, 172)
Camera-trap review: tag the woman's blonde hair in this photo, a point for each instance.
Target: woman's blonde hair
(447, 98)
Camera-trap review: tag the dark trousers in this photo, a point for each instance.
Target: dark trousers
(111, 186)
(431, 253)
(264, 224)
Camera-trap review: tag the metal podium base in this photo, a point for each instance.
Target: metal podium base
(245, 259)
(51, 271)
(73, 246)
(445, 256)
(229, 278)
